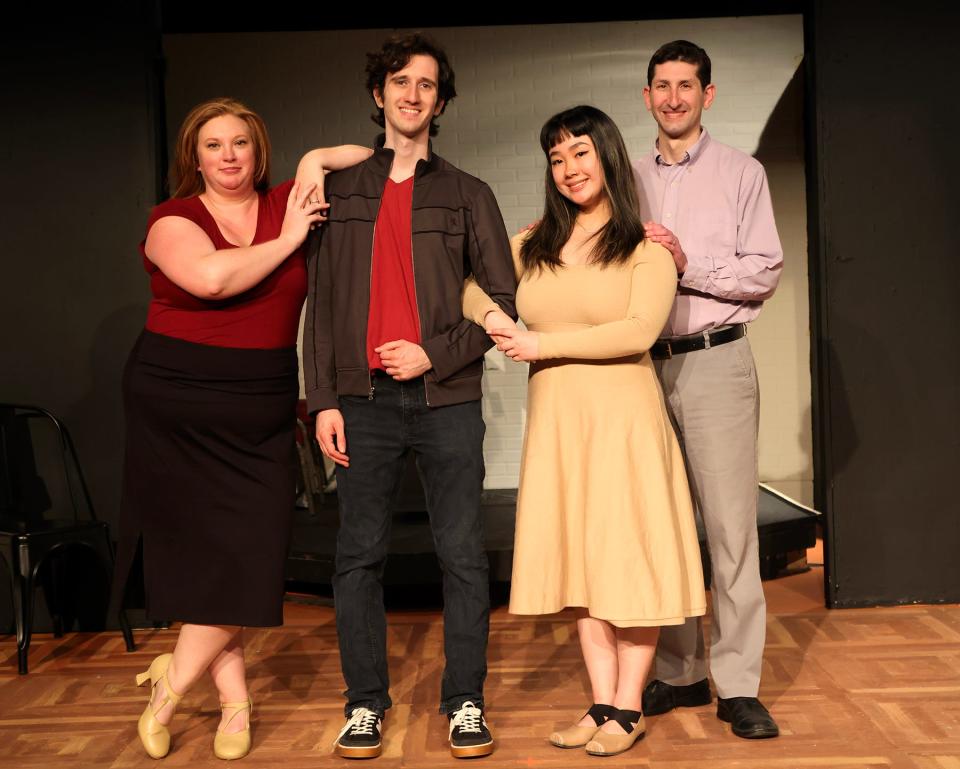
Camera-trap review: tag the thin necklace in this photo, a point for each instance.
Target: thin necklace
(589, 232)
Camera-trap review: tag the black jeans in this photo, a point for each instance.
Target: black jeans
(448, 444)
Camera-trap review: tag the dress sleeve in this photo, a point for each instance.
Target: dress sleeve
(653, 284)
(476, 302)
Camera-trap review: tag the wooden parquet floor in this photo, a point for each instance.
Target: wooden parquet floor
(850, 689)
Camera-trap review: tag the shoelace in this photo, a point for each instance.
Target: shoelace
(362, 721)
(468, 719)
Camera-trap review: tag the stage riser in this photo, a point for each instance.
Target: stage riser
(783, 530)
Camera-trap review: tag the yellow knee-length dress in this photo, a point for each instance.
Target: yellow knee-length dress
(604, 517)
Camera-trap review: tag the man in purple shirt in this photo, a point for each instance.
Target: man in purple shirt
(709, 205)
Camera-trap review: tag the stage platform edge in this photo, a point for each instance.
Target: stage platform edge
(785, 528)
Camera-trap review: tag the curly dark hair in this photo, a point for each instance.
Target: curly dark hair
(394, 56)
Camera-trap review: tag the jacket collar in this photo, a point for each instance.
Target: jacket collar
(382, 159)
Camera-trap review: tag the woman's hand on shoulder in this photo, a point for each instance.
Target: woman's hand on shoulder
(304, 211)
(316, 164)
(657, 233)
(314, 176)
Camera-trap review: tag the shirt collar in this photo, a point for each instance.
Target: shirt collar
(691, 154)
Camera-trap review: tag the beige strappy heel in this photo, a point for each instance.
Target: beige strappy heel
(154, 735)
(237, 744)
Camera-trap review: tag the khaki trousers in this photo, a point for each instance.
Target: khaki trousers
(713, 398)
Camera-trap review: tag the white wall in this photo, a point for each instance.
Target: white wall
(309, 88)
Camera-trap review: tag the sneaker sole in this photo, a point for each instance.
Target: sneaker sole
(345, 751)
(472, 751)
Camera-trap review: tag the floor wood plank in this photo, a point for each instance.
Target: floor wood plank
(850, 689)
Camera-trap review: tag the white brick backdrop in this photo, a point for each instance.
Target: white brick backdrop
(309, 88)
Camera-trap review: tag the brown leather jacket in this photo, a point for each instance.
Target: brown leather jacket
(457, 231)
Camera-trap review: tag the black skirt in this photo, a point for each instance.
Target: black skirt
(209, 479)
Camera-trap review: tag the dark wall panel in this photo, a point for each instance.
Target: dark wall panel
(79, 177)
(885, 277)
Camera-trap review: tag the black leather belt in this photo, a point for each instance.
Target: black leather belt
(667, 348)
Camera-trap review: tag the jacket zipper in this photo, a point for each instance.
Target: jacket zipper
(416, 298)
(366, 336)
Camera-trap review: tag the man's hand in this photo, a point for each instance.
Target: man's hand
(403, 360)
(657, 233)
(331, 437)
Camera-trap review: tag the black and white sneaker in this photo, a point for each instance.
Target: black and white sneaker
(469, 735)
(360, 736)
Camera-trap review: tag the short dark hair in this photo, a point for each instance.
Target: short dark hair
(394, 55)
(623, 232)
(681, 50)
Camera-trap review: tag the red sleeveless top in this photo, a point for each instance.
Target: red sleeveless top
(266, 316)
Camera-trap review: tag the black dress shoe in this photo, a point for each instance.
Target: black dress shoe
(748, 717)
(660, 697)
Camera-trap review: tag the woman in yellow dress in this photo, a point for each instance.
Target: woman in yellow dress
(604, 517)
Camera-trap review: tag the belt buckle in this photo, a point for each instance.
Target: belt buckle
(706, 339)
(669, 350)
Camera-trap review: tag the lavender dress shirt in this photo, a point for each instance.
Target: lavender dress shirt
(717, 202)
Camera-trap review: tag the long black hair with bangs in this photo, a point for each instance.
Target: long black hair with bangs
(618, 238)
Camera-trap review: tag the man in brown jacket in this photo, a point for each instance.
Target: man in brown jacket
(391, 366)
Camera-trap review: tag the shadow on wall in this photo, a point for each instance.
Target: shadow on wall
(782, 136)
(782, 332)
(96, 419)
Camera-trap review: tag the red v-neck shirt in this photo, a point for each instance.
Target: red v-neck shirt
(266, 316)
(393, 296)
